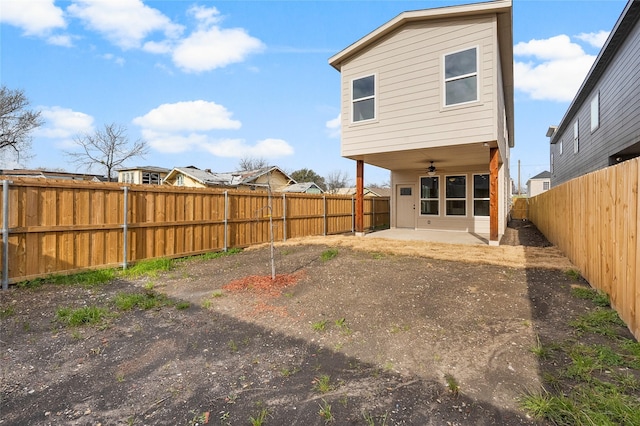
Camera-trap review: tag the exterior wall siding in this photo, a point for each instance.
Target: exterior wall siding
(409, 90)
(619, 118)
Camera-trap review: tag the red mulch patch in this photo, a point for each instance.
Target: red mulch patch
(263, 285)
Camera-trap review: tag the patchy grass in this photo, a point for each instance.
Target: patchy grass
(87, 315)
(144, 301)
(322, 383)
(595, 379)
(598, 297)
(149, 267)
(328, 254)
(573, 274)
(320, 325)
(452, 384)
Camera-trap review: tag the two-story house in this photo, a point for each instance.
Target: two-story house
(602, 125)
(429, 96)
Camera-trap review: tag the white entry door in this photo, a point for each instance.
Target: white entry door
(405, 206)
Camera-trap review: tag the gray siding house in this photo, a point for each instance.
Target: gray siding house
(429, 96)
(602, 125)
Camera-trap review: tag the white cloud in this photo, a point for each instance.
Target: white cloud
(594, 39)
(63, 40)
(211, 47)
(334, 126)
(187, 126)
(238, 148)
(188, 116)
(124, 22)
(34, 17)
(555, 71)
(63, 124)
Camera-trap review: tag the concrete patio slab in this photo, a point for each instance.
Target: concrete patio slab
(452, 237)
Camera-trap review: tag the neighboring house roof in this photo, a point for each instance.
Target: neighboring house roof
(154, 169)
(502, 8)
(377, 192)
(542, 175)
(623, 27)
(303, 188)
(228, 179)
(51, 174)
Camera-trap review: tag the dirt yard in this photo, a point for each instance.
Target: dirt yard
(353, 331)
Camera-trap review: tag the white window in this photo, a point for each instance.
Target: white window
(481, 195)
(461, 77)
(456, 195)
(180, 180)
(576, 137)
(363, 98)
(595, 112)
(560, 146)
(552, 162)
(429, 195)
(545, 186)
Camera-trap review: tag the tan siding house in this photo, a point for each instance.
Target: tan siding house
(429, 96)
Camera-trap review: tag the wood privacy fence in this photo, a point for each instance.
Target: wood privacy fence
(594, 220)
(520, 208)
(56, 226)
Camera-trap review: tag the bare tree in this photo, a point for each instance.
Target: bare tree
(16, 123)
(108, 148)
(252, 163)
(337, 179)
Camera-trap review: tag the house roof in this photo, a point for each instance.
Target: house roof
(621, 30)
(503, 11)
(377, 192)
(49, 174)
(301, 187)
(209, 178)
(542, 175)
(155, 169)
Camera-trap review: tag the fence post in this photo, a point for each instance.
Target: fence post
(353, 215)
(373, 213)
(226, 221)
(324, 215)
(5, 234)
(125, 227)
(284, 216)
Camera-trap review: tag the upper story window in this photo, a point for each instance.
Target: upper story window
(151, 178)
(576, 137)
(363, 98)
(595, 112)
(180, 180)
(461, 77)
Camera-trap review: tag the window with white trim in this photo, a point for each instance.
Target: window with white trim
(180, 180)
(560, 146)
(363, 98)
(481, 195)
(595, 112)
(461, 77)
(576, 137)
(545, 186)
(456, 195)
(429, 195)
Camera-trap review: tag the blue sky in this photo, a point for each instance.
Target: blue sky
(208, 82)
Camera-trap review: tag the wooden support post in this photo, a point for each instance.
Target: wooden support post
(360, 197)
(494, 155)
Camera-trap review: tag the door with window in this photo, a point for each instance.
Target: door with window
(405, 206)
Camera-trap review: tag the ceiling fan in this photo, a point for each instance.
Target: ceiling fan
(431, 170)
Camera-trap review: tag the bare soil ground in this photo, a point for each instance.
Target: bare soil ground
(382, 333)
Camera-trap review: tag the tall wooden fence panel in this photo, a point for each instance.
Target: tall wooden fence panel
(57, 226)
(594, 220)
